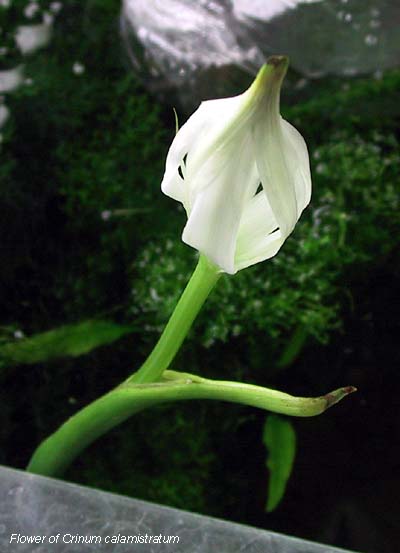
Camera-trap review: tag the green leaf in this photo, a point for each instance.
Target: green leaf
(293, 347)
(69, 340)
(279, 438)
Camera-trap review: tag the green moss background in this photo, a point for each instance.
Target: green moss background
(86, 235)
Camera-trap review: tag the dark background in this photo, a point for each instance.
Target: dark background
(78, 145)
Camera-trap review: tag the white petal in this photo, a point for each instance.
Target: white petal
(172, 183)
(194, 139)
(220, 131)
(274, 169)
(257, 240)
(265, 248)
(257, 219)
(283, 162)
(299, 164)
(222, 185)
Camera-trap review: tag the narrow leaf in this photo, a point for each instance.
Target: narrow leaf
(69, 340)
(279, 438)
(293, 347)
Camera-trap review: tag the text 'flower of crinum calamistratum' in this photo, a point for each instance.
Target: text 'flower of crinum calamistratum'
(219, 159)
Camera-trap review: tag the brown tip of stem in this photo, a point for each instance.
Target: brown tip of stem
(334, 397)
(278, 61)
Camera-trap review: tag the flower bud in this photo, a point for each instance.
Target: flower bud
(241, 172)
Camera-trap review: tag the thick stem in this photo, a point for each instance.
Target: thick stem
(55, 454)
(59, 450)
(195, 294)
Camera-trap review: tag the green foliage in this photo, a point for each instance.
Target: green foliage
(279, 438)
(293, 347)
(77, 144)
(355, 105)
(68, 340)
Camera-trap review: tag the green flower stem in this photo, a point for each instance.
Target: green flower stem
(55, 454)
(195, 294)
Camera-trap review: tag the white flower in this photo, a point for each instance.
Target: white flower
(219, 159)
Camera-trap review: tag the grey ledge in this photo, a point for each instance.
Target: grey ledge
(87, 520)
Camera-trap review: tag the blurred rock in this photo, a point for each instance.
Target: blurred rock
(200, 49)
